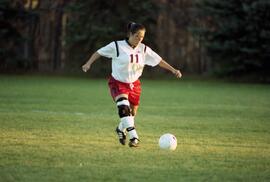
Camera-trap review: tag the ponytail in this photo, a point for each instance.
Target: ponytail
(130, 25)
(133, 27)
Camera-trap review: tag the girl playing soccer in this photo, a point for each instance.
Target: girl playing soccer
(129, 57)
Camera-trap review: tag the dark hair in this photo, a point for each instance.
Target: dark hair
(134, 27)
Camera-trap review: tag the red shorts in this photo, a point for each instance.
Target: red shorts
(133, 90)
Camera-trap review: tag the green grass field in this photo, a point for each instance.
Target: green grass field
(62, 129)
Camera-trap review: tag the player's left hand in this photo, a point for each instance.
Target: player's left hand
(177, 73)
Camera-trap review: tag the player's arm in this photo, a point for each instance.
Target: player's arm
(167, 66)
(92, 59)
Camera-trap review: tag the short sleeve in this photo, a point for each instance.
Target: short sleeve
(151, 58)
(108, 51)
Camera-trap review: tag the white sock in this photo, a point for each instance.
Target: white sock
(133, 134)
(128, 122)
(121, 127)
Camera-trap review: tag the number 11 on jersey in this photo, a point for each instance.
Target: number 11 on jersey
(132, 58)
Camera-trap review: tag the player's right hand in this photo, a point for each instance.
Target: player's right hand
(85, 67)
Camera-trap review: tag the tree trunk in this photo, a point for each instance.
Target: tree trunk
(174, 40)
(49, 35)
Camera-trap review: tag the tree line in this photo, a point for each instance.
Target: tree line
(223, 38)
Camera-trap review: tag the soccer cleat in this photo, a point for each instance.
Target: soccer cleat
(121, 136)
(134, 142)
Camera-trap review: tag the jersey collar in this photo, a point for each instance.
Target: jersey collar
(129, 44)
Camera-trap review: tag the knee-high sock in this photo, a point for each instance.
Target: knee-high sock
(128, 123)
(121, 127)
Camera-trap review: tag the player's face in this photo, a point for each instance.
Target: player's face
(137, 37)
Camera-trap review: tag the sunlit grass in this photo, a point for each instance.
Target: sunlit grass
(62, 129)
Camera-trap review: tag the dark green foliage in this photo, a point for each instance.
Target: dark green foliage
(7, 34)
(13, 20)
(237, 35)
(93, 24)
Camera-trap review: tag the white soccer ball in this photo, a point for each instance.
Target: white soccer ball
(168, 141)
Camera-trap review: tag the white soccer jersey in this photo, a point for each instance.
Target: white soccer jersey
(128, 66)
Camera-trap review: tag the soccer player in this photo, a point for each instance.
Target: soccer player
(128, 56)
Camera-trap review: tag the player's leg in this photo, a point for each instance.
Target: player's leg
(134, 109)
(116, 90)
(134, 99)
(120, 126)
(126, 120)
(120, 129)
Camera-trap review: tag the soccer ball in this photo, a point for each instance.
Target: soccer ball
(168, 142)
